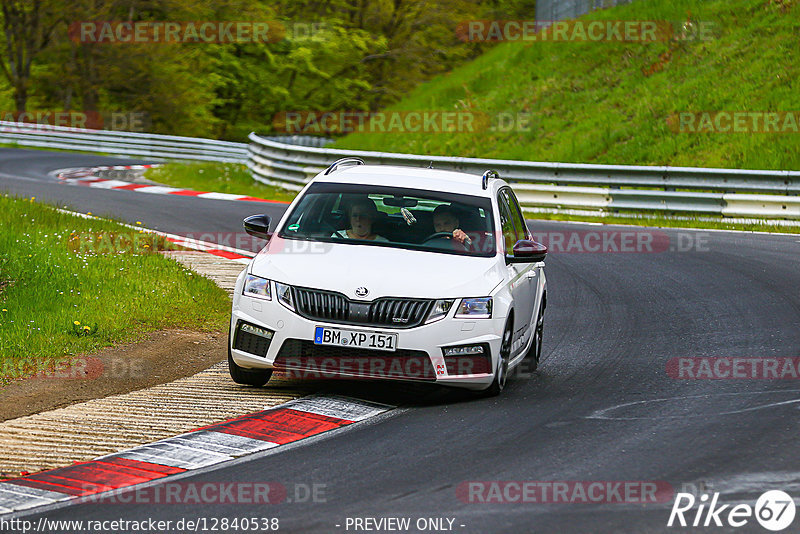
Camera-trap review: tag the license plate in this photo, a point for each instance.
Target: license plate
(339, 337)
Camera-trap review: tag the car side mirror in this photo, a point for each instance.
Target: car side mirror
(258, 226)
(526, 251)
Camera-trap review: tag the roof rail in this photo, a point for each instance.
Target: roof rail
(487, 175)
(335, 164)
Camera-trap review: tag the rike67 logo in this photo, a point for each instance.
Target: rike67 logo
(774, 510)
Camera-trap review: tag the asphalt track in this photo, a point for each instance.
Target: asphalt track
(602, 406)
(26, 173)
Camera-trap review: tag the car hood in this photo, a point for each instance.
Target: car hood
(384, 271)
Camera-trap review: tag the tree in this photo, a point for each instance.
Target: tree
(28, 27)
(418, 38)
(361, 55)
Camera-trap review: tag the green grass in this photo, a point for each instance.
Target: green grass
(608, 102)
(231, 178)
(658, 221)
(57, 270)
(14, 144)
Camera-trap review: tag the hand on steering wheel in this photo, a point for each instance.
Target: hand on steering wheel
(444, 235)
(438, 235)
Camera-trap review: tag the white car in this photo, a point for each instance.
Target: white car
(394, 273)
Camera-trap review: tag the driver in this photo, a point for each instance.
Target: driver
(446, 220)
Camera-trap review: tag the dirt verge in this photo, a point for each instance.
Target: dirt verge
(161, 357)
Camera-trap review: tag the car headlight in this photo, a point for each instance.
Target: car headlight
(283, 293)
(439, 310)
(255, 286)
(475, 308)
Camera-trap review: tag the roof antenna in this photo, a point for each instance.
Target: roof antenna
(430, 165)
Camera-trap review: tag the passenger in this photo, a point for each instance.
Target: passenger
(446, 220)
(362, 213)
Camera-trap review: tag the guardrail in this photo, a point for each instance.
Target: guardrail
(602, 188)
(135, 144)
(292, 161)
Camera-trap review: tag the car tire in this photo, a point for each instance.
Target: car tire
(247, 377)
(501, 373)
(535, 351)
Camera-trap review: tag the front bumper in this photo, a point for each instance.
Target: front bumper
(419, 355)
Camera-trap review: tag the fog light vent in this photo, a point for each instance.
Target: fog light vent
(252, 339)
(467, 359)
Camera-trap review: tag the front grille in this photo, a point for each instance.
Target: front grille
(328, 361)
(399, 312)
(316, 304)
(333, 307)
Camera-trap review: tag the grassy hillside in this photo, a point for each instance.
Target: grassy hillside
(608, 102)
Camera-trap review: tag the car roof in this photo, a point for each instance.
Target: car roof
(412, 178)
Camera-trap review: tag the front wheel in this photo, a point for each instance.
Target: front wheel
(535, 352)
(247, 377)
(501, 373)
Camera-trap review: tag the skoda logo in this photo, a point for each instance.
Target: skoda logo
(362, 292)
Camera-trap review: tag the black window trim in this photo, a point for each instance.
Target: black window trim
(513, 197)
(502, 206)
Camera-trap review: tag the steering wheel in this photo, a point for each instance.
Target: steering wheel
(444, 235)
(438, 235)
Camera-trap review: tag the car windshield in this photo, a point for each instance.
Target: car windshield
(393, 217)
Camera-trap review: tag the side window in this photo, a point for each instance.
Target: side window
(516, 213)
(506, 224)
